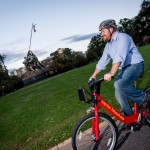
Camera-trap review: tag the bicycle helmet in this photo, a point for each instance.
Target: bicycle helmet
(107, 24)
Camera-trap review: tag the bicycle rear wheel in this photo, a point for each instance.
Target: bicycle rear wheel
(83, 139)
(147, 91)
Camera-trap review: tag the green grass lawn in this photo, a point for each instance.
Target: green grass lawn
(44, 114)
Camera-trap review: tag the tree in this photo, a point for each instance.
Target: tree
(7, 83)
(139, 26)
(4, 77)
(126, 25)
(79, 59)
(97, 45)
(62, 59)
(2, 57)
(95, 48)
(91, 56)
(130, 26)
(65, 59)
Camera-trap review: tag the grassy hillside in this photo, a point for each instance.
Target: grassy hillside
(44, 114)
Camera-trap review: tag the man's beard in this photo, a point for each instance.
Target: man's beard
(106, 39)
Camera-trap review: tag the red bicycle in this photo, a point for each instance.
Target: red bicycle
(97, 130)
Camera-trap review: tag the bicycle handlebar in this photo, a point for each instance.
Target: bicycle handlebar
(95, 85)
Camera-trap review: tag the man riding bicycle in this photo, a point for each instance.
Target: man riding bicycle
(121, 49)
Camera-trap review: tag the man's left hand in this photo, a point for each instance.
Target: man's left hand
(108, 77)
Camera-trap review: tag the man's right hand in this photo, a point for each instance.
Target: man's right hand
(92, 77)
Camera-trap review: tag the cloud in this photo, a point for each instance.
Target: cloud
(41, 52)
(77, 38)
(18, 41)
(13, 56)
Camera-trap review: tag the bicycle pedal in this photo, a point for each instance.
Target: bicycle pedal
(93, 136)
(139, 117)
(132, 129)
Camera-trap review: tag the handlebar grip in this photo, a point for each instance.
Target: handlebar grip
(91, 82)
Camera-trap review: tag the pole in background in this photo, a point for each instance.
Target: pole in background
(32, 29)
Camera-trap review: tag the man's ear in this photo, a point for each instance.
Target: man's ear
(112, 29)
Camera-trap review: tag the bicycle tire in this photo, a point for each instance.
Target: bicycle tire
(83, 139)
(147, 91)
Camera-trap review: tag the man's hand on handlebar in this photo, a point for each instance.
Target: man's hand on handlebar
(108, 77)
(92, 78)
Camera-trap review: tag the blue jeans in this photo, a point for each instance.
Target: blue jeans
(124, 90)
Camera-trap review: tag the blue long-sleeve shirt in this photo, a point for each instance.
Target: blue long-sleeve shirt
(122, 49)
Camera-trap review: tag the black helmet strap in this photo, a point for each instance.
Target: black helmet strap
(110, 33)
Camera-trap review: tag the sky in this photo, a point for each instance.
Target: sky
(59, 24)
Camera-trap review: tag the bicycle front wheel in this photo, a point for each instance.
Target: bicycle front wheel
(83, 139)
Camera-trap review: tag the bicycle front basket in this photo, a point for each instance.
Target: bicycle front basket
(82, 95)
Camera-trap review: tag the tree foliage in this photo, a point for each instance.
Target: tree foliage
(7, 83)
(139, 26)
(65, 59)
(95, 48)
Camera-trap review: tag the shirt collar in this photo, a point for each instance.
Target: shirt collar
(115, 36)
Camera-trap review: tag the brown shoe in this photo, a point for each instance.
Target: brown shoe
(145, 104)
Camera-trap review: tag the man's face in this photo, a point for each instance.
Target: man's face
(106, 35)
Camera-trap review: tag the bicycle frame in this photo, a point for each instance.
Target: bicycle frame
(98, 101)
(101, 102)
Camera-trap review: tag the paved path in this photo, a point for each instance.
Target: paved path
(136, 140)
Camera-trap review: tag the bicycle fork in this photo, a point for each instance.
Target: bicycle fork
(95, 125)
